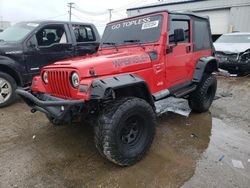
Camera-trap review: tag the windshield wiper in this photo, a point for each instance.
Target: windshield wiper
(132, 41)
(135, 41)
(112, 44)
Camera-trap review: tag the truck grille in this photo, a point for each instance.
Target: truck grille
(222, 57)
(232, 57)
(59, 83)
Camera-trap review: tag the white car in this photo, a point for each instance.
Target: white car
(232, 51)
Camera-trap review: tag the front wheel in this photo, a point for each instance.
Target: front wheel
(201, 99)
(125, 130)
(7, 89)
(243, 73)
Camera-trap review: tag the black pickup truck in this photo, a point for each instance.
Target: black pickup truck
(28, 46)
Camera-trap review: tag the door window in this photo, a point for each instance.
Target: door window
(83, 33)
(179, 24)
(49, 35)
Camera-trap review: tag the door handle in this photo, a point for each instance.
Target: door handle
(188, 49)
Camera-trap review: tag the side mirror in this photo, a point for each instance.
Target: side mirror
(31, 45)
(179, 35)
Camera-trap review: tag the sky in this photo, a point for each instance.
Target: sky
(94, 11)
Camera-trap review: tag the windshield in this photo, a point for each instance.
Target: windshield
(17, 32)
(140, 30)
(233, 39)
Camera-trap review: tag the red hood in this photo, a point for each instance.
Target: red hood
(108, 64)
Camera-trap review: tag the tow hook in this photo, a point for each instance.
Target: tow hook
(33, 110)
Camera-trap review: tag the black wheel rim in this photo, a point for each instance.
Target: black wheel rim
(5, 90)
(131, 131)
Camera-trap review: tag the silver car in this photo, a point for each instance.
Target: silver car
(232, 51)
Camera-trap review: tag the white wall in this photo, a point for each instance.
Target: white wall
(225, 15)
(219, 20)
(240, 18)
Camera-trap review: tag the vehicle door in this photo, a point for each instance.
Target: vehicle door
(49, 44)
(86, 40)
(178, 53)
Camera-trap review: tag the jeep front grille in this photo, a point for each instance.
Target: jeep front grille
(59, 83)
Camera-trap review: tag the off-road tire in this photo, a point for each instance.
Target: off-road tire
(110, 137)
(201, 99)
(54, 121)
(13, 86)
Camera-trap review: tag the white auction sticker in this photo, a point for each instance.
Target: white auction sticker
(149, 25)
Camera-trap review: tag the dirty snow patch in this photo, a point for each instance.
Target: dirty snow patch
(171, 104)
(237, 164)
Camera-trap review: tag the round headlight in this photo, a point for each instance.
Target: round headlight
(75, 80)
(45, 78)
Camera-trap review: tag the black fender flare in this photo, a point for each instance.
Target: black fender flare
(205, 64)
(101, 88)
(11, 67)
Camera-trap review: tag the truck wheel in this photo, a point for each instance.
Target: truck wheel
(7, 89)
(243, 73)
(201, 99)
(125, 130)
(53, 120)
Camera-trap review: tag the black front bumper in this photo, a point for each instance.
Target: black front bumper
(235, 67)
(55, 107)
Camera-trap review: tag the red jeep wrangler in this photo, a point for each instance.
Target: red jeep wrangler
(141, 60)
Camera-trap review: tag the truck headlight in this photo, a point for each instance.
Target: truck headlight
(75, 79)
(45, 78)
(245, 57)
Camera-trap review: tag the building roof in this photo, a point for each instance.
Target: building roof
(165, 4)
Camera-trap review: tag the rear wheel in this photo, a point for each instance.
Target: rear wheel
(201, 99)
(7, 89)
(125, 130)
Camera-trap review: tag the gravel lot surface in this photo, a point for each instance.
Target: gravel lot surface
(191, 152)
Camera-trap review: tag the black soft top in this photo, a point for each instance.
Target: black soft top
(191, 14)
